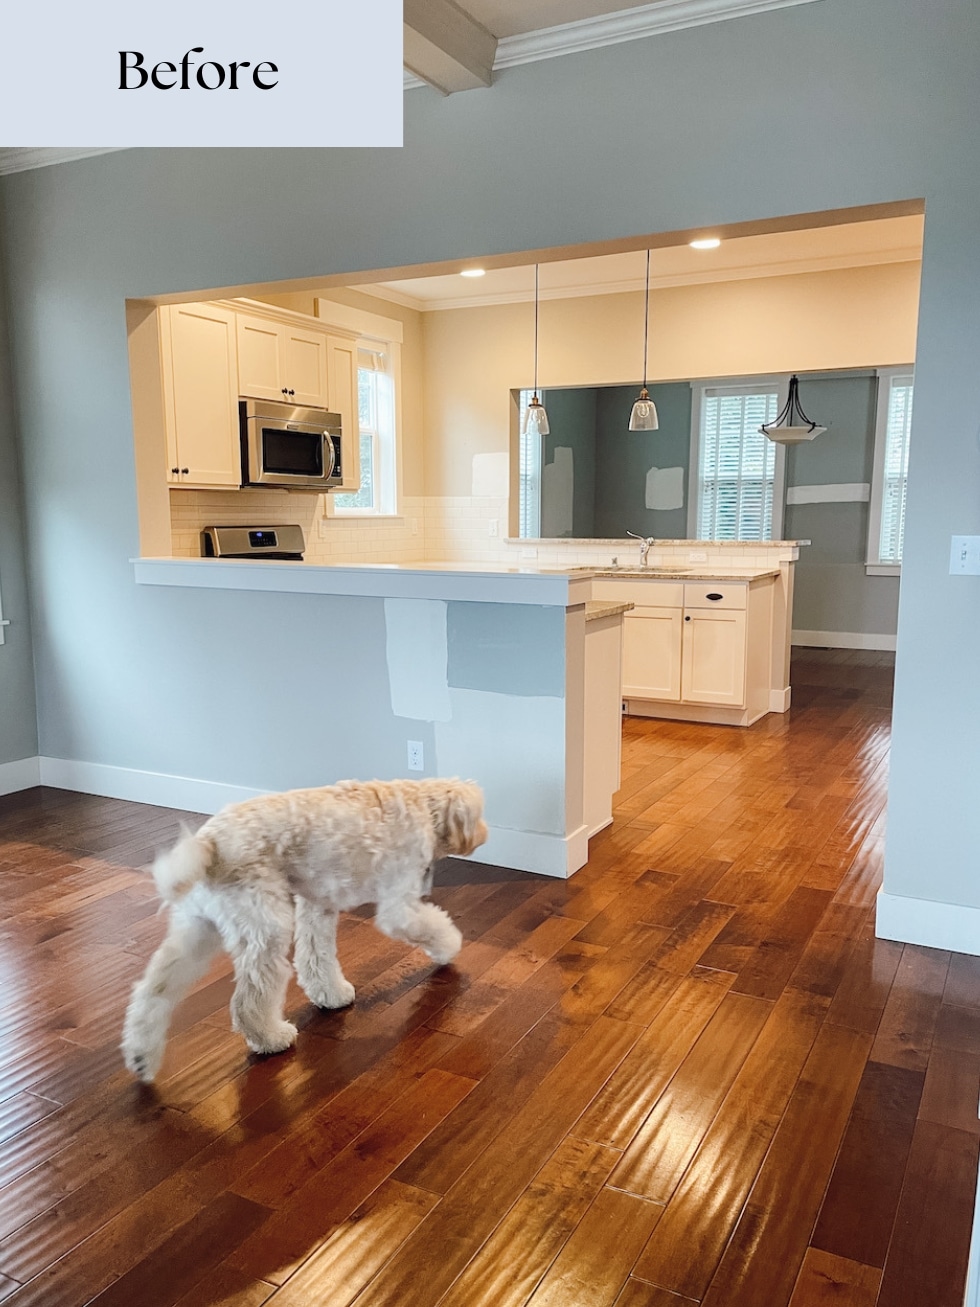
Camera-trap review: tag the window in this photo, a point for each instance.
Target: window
(893, 422)
(530, 475)
(376, 435)
(739, 470)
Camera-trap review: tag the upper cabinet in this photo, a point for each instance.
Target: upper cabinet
(282, 361)
(213, 353)
(200, 394)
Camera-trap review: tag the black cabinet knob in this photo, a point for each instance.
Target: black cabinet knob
(185, 471)
(175, 470)
(292, 392)
(687, 619)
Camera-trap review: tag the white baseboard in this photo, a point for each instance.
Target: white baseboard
(933, 925)
(779, 699)
(843, 640)
(21, 775)
(158, 788)
(549, 855)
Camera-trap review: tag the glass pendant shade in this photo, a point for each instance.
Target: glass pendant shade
(536, 418)
(644, 414)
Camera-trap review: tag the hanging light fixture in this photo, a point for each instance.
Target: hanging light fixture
(791, 425)
(644, 414)
(535, 417)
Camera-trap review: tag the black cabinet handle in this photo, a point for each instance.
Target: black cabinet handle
(714, 596)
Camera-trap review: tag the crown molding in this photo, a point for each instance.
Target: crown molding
(624, 25)
(789, 268)
(22, 160)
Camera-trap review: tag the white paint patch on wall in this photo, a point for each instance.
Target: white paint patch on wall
(416, 649)
(557, 484)
(665, 487)
(491, 475)
(847, 492)
(514, 747)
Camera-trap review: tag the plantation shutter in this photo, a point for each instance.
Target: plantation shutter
(737, 464)
(895, 470)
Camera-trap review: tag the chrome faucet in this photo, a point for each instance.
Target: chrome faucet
(646, 544)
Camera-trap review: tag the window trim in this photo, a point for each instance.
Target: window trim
(874, 565)
(387, 489)
(771, 381)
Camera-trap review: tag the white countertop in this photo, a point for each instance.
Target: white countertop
(472, 582)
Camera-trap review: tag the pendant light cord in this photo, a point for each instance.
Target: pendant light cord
(535, 330)
(646, 322)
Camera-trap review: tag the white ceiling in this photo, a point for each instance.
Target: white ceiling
(515, 17)
(847, 245)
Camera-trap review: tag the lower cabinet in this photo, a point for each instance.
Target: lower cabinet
(698, 651)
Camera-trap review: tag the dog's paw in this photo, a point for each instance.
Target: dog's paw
(446, 945)
(274, 1040)
(144, 1063)
(340, 994)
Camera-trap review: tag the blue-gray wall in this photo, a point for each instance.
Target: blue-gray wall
(833, 590)
(18, 710)
(664, 134)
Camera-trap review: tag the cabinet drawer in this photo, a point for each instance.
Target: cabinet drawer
(648, 594)
(716, 594)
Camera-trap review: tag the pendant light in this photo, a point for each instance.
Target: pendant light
(792, 425)
(644, 414)
(535, 417)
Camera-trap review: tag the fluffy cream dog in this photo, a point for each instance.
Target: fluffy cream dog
(281, 866)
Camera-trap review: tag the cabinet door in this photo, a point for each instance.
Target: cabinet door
(202, 395)
(714, 657)
(342, 393)
(261, 358)
(306, 367)
(652, 654)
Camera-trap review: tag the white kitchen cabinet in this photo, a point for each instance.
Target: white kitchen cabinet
(283, 361)
(200, 394)
(696, 651)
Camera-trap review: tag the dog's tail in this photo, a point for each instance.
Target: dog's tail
(177, 871)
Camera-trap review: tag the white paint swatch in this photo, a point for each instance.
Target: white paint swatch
(665, 487)
(417, 651)
(491, 475)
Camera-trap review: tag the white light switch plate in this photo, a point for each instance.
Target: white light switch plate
(964, 556)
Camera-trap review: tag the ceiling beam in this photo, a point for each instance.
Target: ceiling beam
(447, 48)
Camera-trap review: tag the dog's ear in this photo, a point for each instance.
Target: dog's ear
(465, 831)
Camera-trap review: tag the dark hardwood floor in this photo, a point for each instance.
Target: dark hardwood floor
(689, 1075)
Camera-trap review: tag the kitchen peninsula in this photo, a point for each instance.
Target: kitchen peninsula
(495, 670)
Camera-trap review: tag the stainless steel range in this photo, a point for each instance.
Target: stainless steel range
(283, 542)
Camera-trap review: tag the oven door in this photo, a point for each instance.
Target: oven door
(291, 454)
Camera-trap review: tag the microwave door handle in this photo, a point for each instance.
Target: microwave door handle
(328, 449)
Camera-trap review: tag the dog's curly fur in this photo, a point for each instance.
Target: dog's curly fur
(281, 866)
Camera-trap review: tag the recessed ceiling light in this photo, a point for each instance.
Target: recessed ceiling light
(707, 243)
(473, 272)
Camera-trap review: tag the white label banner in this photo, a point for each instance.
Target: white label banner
(311, 73)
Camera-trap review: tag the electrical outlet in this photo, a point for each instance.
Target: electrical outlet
(964, 556)
(415, 526)
(697, 556)
(529, 553)
(323, 528)
(415, 756)
(494, 524)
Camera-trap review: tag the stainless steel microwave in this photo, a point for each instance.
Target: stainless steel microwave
(288, 447)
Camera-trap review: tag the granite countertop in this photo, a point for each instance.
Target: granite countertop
(597, 608)
(653, 573)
